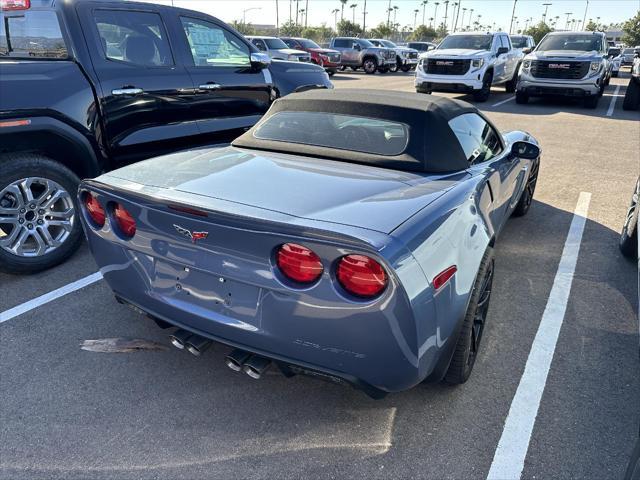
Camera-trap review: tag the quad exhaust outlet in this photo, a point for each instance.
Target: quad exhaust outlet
(194, 344)
(253, 365)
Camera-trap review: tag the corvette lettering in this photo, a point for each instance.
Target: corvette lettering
(194, 236)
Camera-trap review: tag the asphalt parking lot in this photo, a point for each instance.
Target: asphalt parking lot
(70, 413)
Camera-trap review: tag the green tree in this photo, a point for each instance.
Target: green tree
(243, 28)
(423, 33)
(538, 31)
(319, 34)
(442, 31)
(381, 31)
(290, 29)
(348, 29)
(631, 29)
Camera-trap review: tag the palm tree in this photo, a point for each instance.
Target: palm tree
(343, 2)
(424, 6)
(435, 13)
(353, 9)
(453, 16)
(464, 11)
(389, 10)
(430, 22)
(415, 17)
(395, 12)
(335, 17)
(470, 17)
(302, 14)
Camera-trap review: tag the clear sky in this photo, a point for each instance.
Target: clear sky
(498, 11)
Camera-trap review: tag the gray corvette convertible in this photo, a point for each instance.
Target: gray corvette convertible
(348, 239)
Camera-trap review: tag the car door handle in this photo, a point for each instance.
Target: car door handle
(127, 91)
(210, 86)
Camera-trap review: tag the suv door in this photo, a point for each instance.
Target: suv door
(511, 59)
(230, 94)
(349, 56)
(146, 95)
(499, 64)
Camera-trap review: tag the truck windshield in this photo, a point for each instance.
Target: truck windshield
(308, 43)
(275, 43)
(467, 42)
(575, 43)
(331, 130)
(519, 42)
(387, 43)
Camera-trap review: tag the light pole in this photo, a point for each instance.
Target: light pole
(544, 15)
(585, 13)
(244, 13)
(513, 12)
(364, 18)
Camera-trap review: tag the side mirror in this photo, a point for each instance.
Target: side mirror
(502, 50)
(525, 150)
(356, 46)
(527, 50)
(260, 61)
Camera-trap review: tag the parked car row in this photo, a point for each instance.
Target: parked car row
(569, 64)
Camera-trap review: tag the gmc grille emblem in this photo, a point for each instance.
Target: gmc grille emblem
(563, 66)
(194, 236)
(447, 63)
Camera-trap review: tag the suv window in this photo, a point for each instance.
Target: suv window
(259, 44)
(342, 43)
(31, 34)
(133, 37)
(479, 141)
(505, 41)
(213, 46)
(290, 43)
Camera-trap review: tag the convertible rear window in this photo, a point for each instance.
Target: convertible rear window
(331, 130)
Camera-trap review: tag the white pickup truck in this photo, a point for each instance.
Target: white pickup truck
(469, 62)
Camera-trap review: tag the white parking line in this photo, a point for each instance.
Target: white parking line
(613, 101)
(49, 297)
(508, 460)
(503, 101)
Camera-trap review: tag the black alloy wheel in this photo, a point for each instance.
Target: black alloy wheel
(527, 194)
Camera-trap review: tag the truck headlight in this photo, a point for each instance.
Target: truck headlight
(477, 63)
(526, 64)
(595, 66)
(293, 57)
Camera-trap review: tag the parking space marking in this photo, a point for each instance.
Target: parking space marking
(508, 461)
(503, 101)
(613, 101)
(49, 297)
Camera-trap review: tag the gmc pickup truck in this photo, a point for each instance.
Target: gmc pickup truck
(87, 86)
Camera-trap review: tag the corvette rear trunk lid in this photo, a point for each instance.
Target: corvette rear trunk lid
(278, 186)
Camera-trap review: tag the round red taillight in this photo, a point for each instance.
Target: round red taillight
(94, 209)
(299, 263)
(361, 276)
(124, 220)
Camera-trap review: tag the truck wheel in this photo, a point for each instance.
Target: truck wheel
(343, 68)
(466, 351)
(522, 98)
(331, 72)
(510, 86)
(592, 101)
(482, 95)
(632, 96)
(370, 65)
(393, 68)
(39, 225)
(383, 69)
(527, 194)
(405, 68)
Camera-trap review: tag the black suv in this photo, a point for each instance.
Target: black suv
(87, 86)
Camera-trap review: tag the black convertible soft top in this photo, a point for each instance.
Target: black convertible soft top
(432, 146)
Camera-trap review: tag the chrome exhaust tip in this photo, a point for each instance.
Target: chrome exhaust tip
(179, 338)
(236, 359)
(256, 366)
(196, 345)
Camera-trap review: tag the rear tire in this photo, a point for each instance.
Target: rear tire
(510, 86)
(482, 95)
(55, 232)
(466, 351)
(632, 96)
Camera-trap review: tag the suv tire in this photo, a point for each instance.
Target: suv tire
(592, 101)
(406, 68)
(53, 188)
(482, 95)
(521, 98)
(370, 65)
(393, 68)
(466, 350)
(632, 96)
